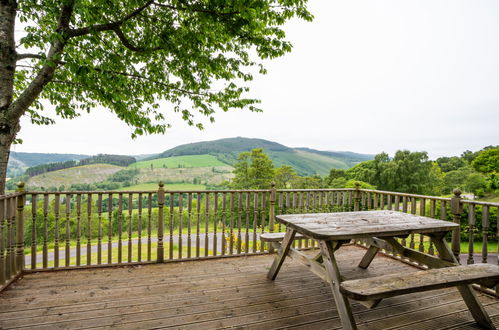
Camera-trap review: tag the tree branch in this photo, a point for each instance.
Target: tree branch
(111, 26)
(25, 66)
(129, 45)
(46, 73)
(137, 76)
(198, 10)
(25, 56)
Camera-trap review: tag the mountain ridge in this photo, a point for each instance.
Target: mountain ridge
(305, 161)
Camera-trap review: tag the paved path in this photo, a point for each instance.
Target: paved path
(166, 240)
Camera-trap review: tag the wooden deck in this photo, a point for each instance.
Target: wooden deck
(222, 293)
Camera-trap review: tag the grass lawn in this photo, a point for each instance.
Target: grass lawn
(477, 245)
(492, 199)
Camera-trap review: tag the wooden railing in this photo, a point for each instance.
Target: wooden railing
(107, 228)
(11, 238)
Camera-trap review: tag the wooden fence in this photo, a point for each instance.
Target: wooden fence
(11, 238)
(60, 230)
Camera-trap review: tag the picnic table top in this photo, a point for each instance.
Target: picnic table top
(362, 224)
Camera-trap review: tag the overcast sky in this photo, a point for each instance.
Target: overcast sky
(364, 76)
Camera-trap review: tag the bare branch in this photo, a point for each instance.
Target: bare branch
(111, 26)
(25, 66)
(25, 56)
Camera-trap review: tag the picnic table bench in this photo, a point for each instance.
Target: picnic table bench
(380, 229)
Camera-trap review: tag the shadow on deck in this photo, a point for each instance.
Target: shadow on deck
(230, 292)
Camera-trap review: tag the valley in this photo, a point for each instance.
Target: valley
(191, 166)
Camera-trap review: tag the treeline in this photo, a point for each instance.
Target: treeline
(44, 168)
(118, 160)
(413, 172)
(409, 172)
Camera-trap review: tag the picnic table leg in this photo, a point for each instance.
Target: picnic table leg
(375, 244)
(479, 313)
(368, 257)
(281, 253)
(333, 273)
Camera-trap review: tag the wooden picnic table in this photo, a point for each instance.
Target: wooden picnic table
(380, 230)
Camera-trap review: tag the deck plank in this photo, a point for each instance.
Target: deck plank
(232, 292)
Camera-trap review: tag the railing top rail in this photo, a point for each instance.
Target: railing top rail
(321, 189)
(405, 194)
(94, 192)
(178, 191)
(11, 195)
(467, 201)
(126, 192)
(104, 192)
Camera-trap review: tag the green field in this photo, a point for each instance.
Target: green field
(170, 186)
(180, 161)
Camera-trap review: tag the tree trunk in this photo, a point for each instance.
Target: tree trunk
(7, 137)
(8, 58)
(4, 160)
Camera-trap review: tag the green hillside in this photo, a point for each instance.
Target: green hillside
(307, 163)
(180, 161)
(19, 161)
(304, 160)
(346, 156)
(230, 146)
(75, 175)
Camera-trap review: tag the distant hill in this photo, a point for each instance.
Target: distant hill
(222, 146)
(347, 155)
(304, 160)
(19, 161)
(29, 159)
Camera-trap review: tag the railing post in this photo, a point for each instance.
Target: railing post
(3, 261)
(161, 221)
(272, 208)
(21, 201)
(272, 213)
(356, 197)
(456, 210)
